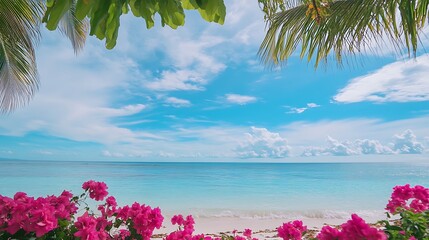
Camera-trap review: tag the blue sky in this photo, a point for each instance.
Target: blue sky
(200, 93)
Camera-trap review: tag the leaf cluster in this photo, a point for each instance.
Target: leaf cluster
(410, 224)
(347, 27)
(104, 15)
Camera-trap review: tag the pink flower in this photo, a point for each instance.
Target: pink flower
(177, 219)
(358, 229)
(328, 233)
(144, 218)
(64, 207)
(291, 230)
(239, 238)
(86, 226)
(402, 194)
(123, 234)
(97, 190)
(26, 213)
(109, 208)
(42, 218)
(203, 237)
(186, 232)
(247, 233)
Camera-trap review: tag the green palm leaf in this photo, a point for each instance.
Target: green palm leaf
(75, 29)
(19, 31)
(350, 28)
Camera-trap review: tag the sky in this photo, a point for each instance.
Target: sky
(201, 93)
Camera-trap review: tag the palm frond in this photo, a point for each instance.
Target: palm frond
(76, 30)
(19, 31)
(352, 27)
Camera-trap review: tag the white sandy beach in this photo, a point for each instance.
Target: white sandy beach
(263, 228)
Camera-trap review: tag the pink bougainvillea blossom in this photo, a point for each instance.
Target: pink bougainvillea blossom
(97, 190)
(418, 197)
(358, 229)
(144, 218)
(291, 230)
(328, 233)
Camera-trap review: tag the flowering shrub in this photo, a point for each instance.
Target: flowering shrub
(357, 228)
(329, 233)
(291, 230)
(25, 215)
(402, 195)
(52, 217)
(412, 206)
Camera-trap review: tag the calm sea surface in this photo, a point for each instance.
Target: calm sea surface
(225, 189)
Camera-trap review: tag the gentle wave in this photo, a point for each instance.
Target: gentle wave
(316, 214)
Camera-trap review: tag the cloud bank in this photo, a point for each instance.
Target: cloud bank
(261, 143)
(404, 143)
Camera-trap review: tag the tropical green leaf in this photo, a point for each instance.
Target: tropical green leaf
(82, 8)
(190, 4)
(345, 28)
(55, 12)
(104, 16)
(19, 31)
(74, 28)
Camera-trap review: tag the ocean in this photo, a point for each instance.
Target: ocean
(244, 190)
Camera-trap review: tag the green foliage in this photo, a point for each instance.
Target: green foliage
(345, 27)
(410, 224)
(104, 15)
(19, 31)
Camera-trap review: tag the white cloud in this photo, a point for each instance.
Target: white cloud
(301, 109)
(239, 99)
(312, 105)
(403, 81)
(177, 102)
(313, 151)
(189, 57)
(348, 148)
(261, 143)
(178, 80)
(373, 147)
(77, 96)
(406, 143)
(297, 110)
(338, 148)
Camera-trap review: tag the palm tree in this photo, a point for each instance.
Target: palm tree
(341, 27)
(20, 22)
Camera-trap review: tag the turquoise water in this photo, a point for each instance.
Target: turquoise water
(225, 189)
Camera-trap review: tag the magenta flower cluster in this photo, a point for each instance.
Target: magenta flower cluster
(406, 197)
(142, 218)
(291, 230)
(354, 229)
(97, 190)
(34, 215)
(52, 216)
(186, 230)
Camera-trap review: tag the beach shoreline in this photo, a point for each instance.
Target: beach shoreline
(262, 228)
